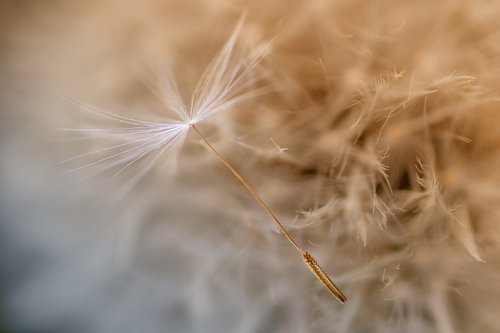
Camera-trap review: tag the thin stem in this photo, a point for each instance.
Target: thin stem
(249, 188)
(309, 260)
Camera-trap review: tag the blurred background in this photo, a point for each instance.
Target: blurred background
(378, 146)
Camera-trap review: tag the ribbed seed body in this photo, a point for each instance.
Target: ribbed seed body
(323, 277)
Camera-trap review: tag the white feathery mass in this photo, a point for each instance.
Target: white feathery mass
(226, 83)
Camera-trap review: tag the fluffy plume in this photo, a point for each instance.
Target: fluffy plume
(225, 84)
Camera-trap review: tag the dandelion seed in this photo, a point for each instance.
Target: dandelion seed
(222, 87)
(323, 277)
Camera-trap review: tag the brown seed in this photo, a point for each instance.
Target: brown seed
(323, 277)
